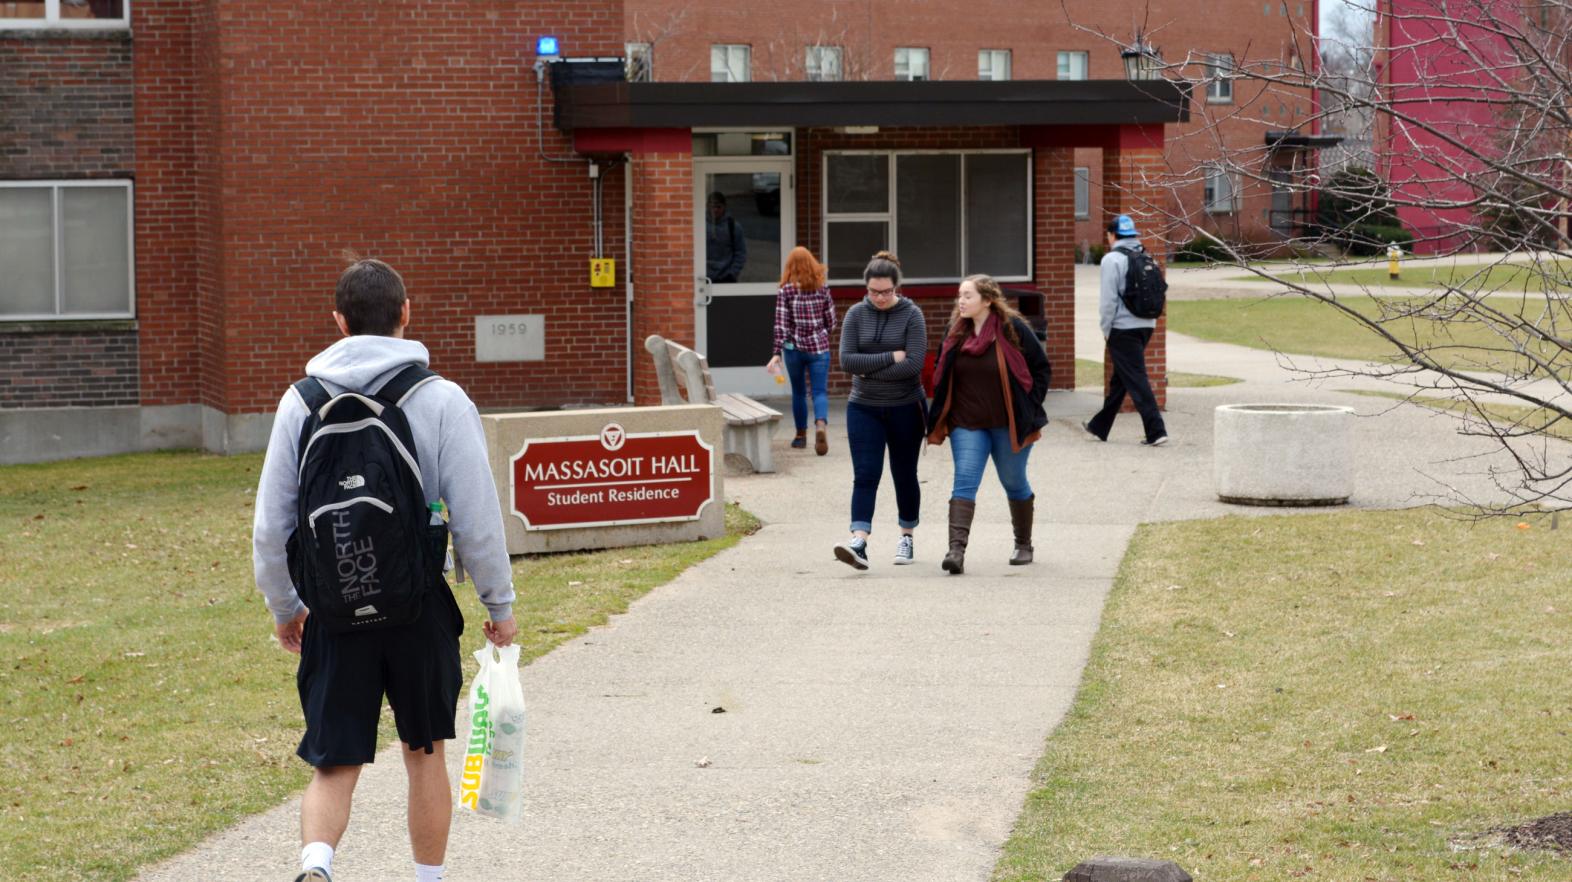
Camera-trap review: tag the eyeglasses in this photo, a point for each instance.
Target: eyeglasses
(880, 292)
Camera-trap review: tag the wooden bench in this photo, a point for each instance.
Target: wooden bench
(749, 424)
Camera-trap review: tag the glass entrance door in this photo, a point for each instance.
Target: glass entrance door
(743, 227)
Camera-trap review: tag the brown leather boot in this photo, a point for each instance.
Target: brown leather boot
(1021, 520)
(821, 439)
(801, 440)
(961, 511)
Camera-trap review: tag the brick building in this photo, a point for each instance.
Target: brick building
(178, 179)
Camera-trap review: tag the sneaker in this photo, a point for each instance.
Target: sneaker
(1086, 426)
(904, 550)
(853, 551)
(1159, 441)
(315, 874)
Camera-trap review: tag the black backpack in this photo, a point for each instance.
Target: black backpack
(365, 548)
(1145, 289)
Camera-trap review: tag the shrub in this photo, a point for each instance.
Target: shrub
(1202, 250)
(1371, 240)
(1097, 252)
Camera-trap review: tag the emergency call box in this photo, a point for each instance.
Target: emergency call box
(603, 272)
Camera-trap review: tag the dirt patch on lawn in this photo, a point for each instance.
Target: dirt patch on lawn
(1550, 833)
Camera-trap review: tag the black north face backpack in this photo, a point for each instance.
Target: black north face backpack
(1145, 289)
(365, 549)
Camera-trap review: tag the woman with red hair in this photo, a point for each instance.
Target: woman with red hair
(804, 318)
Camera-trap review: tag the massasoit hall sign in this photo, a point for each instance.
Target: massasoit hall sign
(611, 478)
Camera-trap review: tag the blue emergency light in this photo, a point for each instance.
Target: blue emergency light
(546, 46)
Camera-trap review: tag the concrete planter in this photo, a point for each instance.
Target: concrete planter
(1283, 454)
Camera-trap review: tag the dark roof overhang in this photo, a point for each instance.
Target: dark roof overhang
(1294, 140)
(625, 105)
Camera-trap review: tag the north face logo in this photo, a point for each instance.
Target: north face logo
(353, 482)
(367, 610)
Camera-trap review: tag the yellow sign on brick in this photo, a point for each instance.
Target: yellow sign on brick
(603, 272)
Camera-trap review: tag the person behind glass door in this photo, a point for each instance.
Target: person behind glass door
(804, 318)
(988, 390)
(725, 245)
(884, 342)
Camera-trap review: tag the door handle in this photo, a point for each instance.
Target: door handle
(704, 297)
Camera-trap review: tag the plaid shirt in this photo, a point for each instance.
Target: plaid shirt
(804, 318)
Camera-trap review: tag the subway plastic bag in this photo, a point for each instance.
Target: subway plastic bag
(492, 782)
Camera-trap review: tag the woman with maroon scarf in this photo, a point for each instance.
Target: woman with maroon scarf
(988, 389)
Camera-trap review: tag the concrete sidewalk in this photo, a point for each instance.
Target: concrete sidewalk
(878, 727)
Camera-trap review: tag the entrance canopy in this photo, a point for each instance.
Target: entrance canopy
(585, 107)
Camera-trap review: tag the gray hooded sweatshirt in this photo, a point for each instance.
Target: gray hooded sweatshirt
(454, 468)
(1111, 311)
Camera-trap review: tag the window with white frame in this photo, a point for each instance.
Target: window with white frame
(66, 250)
(1221, 192)
(993, 64)
(822, 64)
(1219, 85)
(1083, 192)
(1072, 65)
(911, 64)
(729, 63)
(640, 60)
(947, 213)
(65, 13)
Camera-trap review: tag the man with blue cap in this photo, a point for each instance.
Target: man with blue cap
(1127, 335)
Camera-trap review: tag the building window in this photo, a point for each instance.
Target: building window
(993, 64)
(66, 249)
(729, 63)
(1083, 193)
(911, 64)
(947, 213)
(823, 64)
(1221, 193)
(1219, 86)
(640, 60)
(1072, 65)
(64, 13)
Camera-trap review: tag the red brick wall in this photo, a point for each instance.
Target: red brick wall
(167, 221)
(65, 104)
(400, 130)
(663, 260)
(79, 368)
(1055, 256)
(1132, 184)
(65, 113)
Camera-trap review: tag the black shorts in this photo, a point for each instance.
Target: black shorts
(342, 678)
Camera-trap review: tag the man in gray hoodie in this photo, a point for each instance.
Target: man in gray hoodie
(342, 677)
(1127, 336)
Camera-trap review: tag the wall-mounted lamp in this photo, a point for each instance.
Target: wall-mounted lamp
(546, 47)
(1142, 60)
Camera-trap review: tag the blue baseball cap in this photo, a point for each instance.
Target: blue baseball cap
(1123, 227)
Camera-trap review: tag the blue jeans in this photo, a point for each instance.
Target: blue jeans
(869, 432)
(818, 366)
(971, 449)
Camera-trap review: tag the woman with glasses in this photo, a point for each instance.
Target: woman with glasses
(884, 342)
(804, 318)
(988, 390)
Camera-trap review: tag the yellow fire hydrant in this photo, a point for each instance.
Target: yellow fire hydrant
(1393, 252)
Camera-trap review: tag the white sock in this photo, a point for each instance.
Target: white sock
(428, 873)
(317, 855)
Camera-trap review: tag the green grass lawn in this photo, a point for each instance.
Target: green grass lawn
(1300, 325)
(1336, 696)
(1089, 374)
(145, 702)
(1503, 278)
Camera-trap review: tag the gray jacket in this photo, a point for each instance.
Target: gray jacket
(454, 468)
(869, 338)
(1111, 312)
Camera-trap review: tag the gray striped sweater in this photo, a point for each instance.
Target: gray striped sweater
(869, 338)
